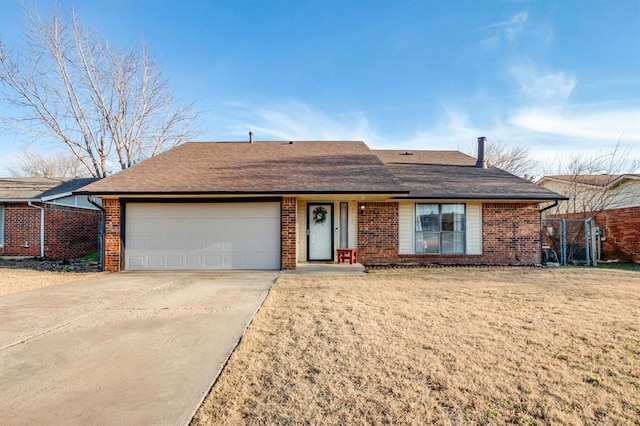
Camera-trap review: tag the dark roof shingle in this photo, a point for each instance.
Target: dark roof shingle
(255, 168)
(453, 175)
(30, 188)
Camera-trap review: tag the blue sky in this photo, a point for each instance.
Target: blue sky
(556, 76)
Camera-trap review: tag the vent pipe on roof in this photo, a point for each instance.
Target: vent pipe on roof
(250, 137)
(482, 147)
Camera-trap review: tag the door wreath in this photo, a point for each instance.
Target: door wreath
(319, 215)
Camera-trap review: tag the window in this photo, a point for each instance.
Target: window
(440, 228)
(1, 225)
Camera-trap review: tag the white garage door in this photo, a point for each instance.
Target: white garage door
(202, 236)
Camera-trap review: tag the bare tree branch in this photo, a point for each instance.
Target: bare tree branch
(514, 159)
(108, 108)
(56, 165)
(591, 181)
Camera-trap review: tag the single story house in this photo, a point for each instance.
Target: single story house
(271, 205)
(613, 200)
(41, 217)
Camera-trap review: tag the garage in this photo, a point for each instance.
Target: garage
(162, 236)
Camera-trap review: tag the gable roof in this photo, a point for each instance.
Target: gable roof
(600, 181)
(453, 175)
(255, 168)
(36, 188)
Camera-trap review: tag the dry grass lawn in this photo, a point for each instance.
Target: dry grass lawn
(17, 280)
(439, 346)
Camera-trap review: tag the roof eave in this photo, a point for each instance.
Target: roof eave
(56, 196)
(232, 193)
(19, 200)
(485, 198)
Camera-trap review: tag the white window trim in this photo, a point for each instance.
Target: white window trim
(440, 204)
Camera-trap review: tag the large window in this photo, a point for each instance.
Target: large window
(440, 228)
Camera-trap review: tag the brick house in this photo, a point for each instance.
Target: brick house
(272, 205)
(40, 217)
(612, 200)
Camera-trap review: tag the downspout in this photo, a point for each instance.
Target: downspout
(555, 204)
(104, 230)
(41, 227)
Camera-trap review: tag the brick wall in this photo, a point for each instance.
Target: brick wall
(378, 233)
(510, 232)
(70, 232)
(288, 213)
(112, 234)
(621, 228)
(21, 230)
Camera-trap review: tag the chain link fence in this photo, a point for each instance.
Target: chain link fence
(570, 241)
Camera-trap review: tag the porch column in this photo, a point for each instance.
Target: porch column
(112, 234)
(288, 213)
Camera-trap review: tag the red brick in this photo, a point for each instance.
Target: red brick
(69, 232)
(510, 236)
(621, 228)
(288, 214)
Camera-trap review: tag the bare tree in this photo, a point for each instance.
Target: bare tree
(591, 181)
(56, 165)
(515, 159)
(110, 109)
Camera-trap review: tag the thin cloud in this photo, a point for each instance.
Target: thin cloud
(592, 125)
(505, 30)
(538, 86)
(294, 120)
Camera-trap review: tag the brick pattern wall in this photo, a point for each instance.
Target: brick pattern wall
(288, 213)
(510, 231)
(70, 232)
(21, 230)
(621, 228)
(112, 235)
(378, 233)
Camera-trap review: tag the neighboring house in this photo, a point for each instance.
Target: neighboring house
(40, 217)
(271, 205)
(612, 200)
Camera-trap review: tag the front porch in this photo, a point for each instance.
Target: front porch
(327, 268)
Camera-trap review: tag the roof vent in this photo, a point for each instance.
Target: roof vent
(482, 147)
(250, 137)
(406, 153)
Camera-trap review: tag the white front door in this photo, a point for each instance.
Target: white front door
(320, 226)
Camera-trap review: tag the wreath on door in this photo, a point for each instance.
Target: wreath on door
(319, 215)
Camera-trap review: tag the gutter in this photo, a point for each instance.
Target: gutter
(555, 204)
(41, 227)
(104, 230)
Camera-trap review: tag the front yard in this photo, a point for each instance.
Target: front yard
(24, 275)
(439, 346)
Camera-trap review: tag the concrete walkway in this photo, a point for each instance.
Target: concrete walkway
(128, 348)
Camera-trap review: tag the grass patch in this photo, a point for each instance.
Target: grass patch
(620, 266)
(91, 257)
(438, 346)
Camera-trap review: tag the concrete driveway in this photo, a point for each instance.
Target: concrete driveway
(127, 348)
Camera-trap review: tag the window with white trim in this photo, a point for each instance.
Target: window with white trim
(1, 225)
(440, 228)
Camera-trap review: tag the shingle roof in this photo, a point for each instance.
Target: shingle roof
(30, 188)
(602, 180)
(453, 175)
(451, 158)
(255, 168)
